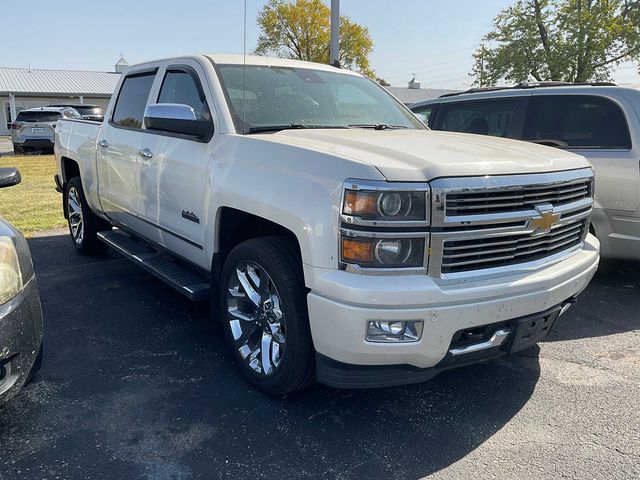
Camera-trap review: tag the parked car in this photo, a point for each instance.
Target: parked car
(336, 236)
(599, 121)
(34, 127)
(89, 112)
(20, 311)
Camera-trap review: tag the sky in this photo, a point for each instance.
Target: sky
(429, 38)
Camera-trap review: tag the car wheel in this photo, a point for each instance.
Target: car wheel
(18, 150)
(84, 225)
(265, 317)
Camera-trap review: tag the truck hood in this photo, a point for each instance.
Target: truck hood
(422, 155)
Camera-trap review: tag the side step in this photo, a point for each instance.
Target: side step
(183, 280)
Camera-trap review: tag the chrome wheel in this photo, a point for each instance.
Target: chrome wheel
(256, 320)
(76, 221)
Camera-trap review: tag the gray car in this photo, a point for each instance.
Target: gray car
(34, 128)
(20, 310)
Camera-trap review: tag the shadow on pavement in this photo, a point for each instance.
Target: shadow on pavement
(137, 383)
(609, 305)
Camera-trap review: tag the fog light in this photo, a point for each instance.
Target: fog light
(393, 331)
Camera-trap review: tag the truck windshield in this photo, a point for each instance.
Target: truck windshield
(266, 98)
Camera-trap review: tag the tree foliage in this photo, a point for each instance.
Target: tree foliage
(559, 40)
(302, 30)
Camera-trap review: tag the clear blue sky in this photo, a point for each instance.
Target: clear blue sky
(433, 39)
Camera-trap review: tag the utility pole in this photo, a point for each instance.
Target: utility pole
(334, 51)
(482, 65)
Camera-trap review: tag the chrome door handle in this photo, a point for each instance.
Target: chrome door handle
(104, 144)
(145, 152)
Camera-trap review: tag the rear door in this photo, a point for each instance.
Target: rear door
(118, 152)
(175, 171)
(596, 127)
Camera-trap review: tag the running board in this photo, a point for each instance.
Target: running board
(174, 275)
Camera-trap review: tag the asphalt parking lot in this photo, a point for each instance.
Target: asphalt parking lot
(137, 384)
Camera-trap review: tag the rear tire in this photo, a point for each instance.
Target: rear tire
(84, 225)
(264, 311)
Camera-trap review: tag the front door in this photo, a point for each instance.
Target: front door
(175, 169)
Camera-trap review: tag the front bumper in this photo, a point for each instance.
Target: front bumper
(341, 304)
(20, 339)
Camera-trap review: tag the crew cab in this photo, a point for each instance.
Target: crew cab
(337, 237)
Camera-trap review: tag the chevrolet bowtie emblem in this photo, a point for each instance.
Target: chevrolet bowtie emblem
(545, 219)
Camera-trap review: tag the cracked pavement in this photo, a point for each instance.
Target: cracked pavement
(137, 384)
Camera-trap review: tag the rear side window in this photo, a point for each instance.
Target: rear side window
(424, 113)
(486, 117)
(184, 88)
(576, 121)
(37, 117)
(132, 100)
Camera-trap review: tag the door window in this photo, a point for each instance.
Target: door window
(576, 121)
(424, 114)
(486, 117)
(183, 87)
(132, 100)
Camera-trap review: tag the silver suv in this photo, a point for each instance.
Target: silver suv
(598, 121)
(34, 128)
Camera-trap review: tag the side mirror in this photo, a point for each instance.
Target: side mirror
(177, 118)
(9, 177)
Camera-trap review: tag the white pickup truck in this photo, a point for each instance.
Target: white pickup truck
(338, 238)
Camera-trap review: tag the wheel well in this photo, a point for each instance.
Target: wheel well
(236, 226)
(70, 169)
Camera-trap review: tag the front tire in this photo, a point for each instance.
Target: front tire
(265, 317)
(84, 225)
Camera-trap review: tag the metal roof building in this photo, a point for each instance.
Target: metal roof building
(22, 88)
(413, 93)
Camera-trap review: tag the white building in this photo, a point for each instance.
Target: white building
(22, 88)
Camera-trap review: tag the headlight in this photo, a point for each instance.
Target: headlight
(379, 202)
(10, 276)
(383, 252)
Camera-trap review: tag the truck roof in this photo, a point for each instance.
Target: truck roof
(281, 62)
(251, 60)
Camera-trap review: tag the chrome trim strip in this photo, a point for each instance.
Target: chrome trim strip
(441, 187)
(497, 339)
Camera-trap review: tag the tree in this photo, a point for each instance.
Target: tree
(559, 40)
(302, 30)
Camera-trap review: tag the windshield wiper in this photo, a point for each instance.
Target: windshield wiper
(291, 126)
(377, 126)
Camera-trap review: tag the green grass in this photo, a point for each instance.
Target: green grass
(34, 205)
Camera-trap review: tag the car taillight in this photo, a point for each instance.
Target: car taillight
(15, 126)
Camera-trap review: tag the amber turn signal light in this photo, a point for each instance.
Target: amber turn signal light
(359, 203)
(357, 251)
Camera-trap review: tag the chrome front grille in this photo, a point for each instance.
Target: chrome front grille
(505, 224)
(490, 252)
(516, 198)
